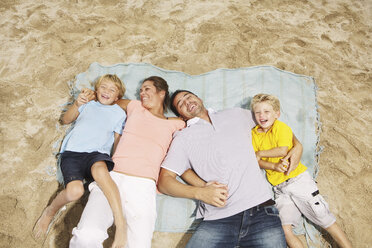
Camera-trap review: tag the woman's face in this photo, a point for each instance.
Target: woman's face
(150, 97)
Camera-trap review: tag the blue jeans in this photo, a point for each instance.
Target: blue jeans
(255, 227)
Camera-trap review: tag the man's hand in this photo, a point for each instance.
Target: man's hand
(213, 193)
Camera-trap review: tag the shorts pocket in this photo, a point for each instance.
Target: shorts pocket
(319, 206)
(272, 211)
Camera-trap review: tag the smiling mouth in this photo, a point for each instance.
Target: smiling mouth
(263, 122)
(191, 107)
(104, 96)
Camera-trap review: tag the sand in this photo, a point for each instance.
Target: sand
(45, 44)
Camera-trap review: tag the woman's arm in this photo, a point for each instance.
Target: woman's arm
(123, 103)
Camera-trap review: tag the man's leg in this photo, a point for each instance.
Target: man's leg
(222, 233)
(262, 228)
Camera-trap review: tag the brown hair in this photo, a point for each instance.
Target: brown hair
(115, 79)
(160, 84)
(271, 99)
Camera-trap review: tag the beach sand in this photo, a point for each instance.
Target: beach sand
(45, 44)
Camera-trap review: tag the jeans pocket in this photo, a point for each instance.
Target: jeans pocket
(272, 211)
(319, 206)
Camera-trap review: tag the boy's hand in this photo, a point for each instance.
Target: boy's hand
(282, 166)
(90, 94)
(81, 99)
(258, 156)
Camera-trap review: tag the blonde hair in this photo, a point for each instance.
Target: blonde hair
(116, 80)
(270, 99)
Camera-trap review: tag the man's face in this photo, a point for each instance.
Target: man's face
(188, 105)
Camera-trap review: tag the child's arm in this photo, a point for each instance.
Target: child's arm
(294, 155)
(275, 152)
(116, 141)
(73, 111)
(279, 167)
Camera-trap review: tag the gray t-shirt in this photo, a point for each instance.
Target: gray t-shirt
(223, 152)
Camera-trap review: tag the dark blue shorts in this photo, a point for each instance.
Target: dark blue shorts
(77, 165)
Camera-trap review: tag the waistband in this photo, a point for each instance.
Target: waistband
(267, 203)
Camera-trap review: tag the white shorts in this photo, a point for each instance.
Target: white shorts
(138, 199)
(300, 195)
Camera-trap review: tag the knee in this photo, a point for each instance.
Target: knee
(87, 238)
(100, 172)
(74, 193)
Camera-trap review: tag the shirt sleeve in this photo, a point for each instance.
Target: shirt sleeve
(132, 106)
(176, 159)
(82, 107)
(121, 123)
(254, 141)
(249, 118)
(283, 134)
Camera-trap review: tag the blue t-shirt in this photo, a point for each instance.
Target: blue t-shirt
(94, 128)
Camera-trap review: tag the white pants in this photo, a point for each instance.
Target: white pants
(300, 195)
(138, 199)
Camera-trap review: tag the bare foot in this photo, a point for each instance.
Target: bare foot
(120, 238)
(41, 227)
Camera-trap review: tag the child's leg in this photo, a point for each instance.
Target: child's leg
(338, 235)
(73, 191)
(102, 177)
(292, 240)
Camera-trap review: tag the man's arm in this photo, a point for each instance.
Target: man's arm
(192, 178)
(211, 194)
(294, 155)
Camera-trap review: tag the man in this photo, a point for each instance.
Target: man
(217, 146)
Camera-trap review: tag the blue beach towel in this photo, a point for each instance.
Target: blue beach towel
(221, 89)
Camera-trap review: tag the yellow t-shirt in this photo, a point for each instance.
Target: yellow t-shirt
(278, 135)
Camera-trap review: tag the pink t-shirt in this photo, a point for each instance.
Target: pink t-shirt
(144, 143)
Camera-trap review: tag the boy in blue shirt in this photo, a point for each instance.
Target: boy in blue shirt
(85, 152)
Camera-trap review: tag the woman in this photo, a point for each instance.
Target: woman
(141, 149)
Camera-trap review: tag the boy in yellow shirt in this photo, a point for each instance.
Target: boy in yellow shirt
(296, 192)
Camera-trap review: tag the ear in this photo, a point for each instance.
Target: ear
(162, 94)
(278, 114)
